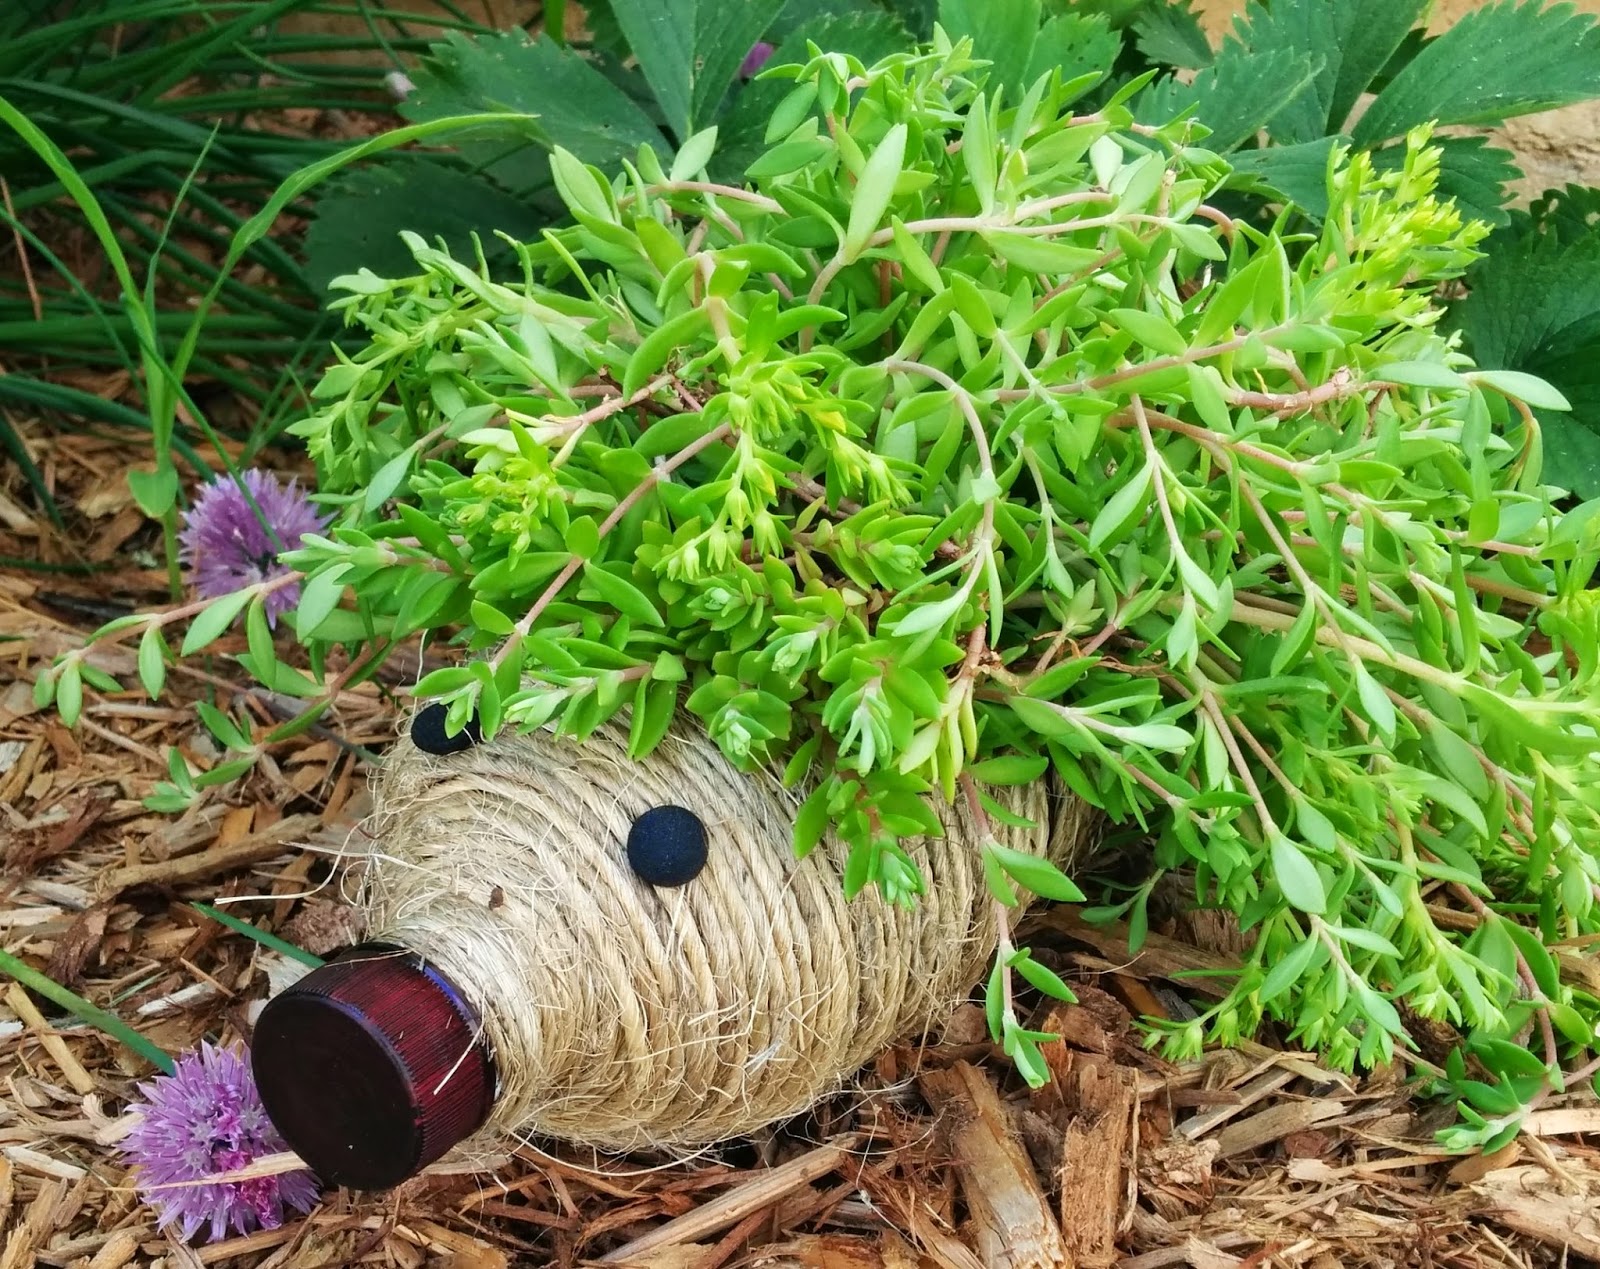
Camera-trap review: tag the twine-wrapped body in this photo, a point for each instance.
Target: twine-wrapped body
(624, 1015)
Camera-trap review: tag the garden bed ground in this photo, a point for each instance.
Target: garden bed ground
(938, 1158)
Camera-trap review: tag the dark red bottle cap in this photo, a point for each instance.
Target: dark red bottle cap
(372, 1066)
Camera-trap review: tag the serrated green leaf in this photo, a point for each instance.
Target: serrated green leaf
(691, 50)
(1496, 62)
(1238, 95)
(1169, 33)
(1002, 33)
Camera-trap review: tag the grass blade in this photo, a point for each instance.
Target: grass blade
(263, 937)
(81, 1009)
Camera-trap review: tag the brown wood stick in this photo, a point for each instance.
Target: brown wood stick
(247, 850)
(82, 1082)
(760, 1191)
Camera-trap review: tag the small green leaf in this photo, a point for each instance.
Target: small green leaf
(212, 620)
(1037, 874)
(693, 155)
(1153, 332)
(583, 537)
(1297, 877)
(1526, 388)
(490, 619)
(69, 694)
(388, 479)
(1124, 508)
(994, 877)
(874, 191)
(258, 633)
(660, 344)
(1421, 374)
(1042, 255)
(655, 704)
(622, 594)
(577, 186)
(156, 492)
(1044, 979)
(1286, 972)
(1374, 700)
(977, 153)
(153, 661)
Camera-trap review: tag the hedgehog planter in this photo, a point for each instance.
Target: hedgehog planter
(569, 943)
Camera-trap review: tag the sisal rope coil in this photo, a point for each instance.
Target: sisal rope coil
(625, 1016)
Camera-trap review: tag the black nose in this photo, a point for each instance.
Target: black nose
(667, 846)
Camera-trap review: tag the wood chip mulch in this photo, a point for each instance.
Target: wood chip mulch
(937, 1157)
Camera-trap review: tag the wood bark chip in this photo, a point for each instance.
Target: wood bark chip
(836, 1251)
(37, 1223)
(762, 1190)
(1525, 1199)
(1104, 1101)
(248, 850)
(1273, 1124)
(1012, 1227)
(77, 945)
(17, 999)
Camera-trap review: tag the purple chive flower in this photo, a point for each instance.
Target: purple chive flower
(203, 1119)
(755, 59)
(227, 546)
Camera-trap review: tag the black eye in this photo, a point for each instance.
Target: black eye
(667, 846)
(427, 732)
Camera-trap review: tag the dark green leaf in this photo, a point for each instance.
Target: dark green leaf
(1513, 57)
(1002, 33)
(616, 590)
(1237, 95)
(360, 221)
(1036, 874)
(577, 107)
(1168, 32)
(690, 50)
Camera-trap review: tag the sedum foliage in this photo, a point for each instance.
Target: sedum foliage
(965, 442)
